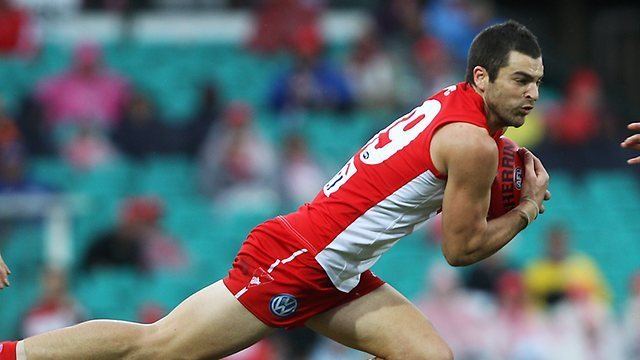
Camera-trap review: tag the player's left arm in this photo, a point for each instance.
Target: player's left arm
(470, 157)
(4, 274)
(633, 142)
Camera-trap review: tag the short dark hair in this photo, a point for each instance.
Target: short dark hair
(490, 49)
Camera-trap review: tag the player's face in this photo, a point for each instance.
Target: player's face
(512, 95)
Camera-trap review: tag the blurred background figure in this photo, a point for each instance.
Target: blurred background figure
(279, 22)
(142, 133)
(237, 164)
(459, 318)
(88, 148)
(208, 113)
(520, 330)
(399, 21)
(371, 72)
(563, 271)
(313, 82)
(18, 37)
(631, 320)
(434, 66)
(14, 177)
(580, 133)
(485, 276)
(88, 92)
(300, 175)
(55, 308)
(456, 23)
(136, 242)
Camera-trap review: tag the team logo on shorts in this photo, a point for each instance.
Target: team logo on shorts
(283, 305)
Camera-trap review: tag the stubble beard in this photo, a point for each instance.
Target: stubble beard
(505, 117)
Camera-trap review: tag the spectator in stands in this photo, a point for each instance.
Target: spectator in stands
(631, 320)
(460, 318)
(17, 31)
(371, 72)
(277, 23)
(399, 20)
(137, 241)
(207, 114)
(433, 66)
(300, 175)
(141, 132)
(236, 161)
(312, 83)
(56, 307)
(580, 126)
(456, 23)
(87, 92)
(519, 329)
(88, 148)
(582, 327)
(561, 271)
(485, 275)
(30, 120)
(13, 159)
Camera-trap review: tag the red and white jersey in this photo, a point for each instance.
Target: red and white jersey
(387, 188)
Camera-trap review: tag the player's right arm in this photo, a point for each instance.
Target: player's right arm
(633, 142)
(469, 157)
(4, 274)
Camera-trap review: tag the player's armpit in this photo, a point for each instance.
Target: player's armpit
(469, 157)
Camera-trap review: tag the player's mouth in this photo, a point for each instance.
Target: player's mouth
(526, 109)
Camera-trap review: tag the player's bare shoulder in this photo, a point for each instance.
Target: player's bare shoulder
(463, 144)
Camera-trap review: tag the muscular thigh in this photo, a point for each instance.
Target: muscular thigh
(382, 322)
(209, 324)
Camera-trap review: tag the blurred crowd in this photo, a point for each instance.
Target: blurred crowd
(89, 115)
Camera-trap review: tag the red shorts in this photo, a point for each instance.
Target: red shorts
(276, 277)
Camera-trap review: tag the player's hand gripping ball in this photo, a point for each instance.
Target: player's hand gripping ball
(507, 186)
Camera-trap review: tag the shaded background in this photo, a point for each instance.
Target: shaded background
(140, 141)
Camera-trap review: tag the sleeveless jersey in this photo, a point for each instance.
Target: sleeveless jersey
(387, 188)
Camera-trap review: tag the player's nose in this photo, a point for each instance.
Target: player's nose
(532, 92)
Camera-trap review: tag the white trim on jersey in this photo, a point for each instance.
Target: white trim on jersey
(359, 246)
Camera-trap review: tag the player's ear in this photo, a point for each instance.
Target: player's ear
(480, 77)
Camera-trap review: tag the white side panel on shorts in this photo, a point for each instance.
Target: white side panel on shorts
(359, 246)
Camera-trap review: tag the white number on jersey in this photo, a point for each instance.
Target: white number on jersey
(340, 178)
(388, 142)
(400, 133)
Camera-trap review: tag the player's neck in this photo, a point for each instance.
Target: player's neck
(493, 121)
